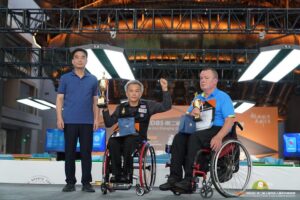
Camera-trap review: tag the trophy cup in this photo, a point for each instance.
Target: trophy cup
(103, 85)
(197, 103)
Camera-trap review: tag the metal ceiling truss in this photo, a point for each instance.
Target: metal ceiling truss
(128, 21)
(147, 64)
(32, 63)
(186, 63)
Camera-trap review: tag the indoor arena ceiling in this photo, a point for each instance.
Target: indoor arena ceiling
(175, 40)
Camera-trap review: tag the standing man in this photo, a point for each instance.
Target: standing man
(77, 114)
(217, 118)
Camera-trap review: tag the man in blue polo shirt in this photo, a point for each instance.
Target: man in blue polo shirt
(77, 115)
(217, 118)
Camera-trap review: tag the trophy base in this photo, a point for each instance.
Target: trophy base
(102, 105)
(197, 119)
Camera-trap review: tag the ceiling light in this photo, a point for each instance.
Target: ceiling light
(290, 62)
(45, 103)
(120, 64)
(260, 62)
(33, 103)
(95, 67)
(242, 106)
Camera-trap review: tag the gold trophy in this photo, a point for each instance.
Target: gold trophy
(197, 103)
(103, 85)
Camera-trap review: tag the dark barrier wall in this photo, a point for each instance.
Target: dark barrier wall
(3, 4)
(293, 115)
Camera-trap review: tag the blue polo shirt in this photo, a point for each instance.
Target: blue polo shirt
(78, 97)
(223, 107)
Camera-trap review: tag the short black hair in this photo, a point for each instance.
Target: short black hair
(79, 49)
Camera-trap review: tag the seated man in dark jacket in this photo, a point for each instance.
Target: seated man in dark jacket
(136, 113)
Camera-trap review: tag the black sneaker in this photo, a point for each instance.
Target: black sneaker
(169, 184)
(185, 185)
(87, 188)
(69, 188)
(166, 186)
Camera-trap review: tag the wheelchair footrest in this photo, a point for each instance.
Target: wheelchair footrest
(120, 186)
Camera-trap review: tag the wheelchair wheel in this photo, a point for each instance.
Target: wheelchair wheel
(147, 167)
(231, 169)
(105, 167)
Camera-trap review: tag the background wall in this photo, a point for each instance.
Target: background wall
(260, 134)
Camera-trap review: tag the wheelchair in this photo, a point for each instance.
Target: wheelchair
(144, 174)
(228, 170)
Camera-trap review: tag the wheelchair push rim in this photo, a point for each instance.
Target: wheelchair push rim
(147, 167)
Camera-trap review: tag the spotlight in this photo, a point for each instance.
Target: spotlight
(262, 35)
(113, 33)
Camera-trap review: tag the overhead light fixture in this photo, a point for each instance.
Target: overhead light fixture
(95, 67)
(120, 63)
(273, 63)
(242, 106)
(290, 62)
(260, 62)
(36, 103)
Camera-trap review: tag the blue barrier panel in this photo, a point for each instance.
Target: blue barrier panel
(55, 140)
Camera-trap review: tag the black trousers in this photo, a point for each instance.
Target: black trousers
(83, 132)
(123, 146)
(184, 149)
